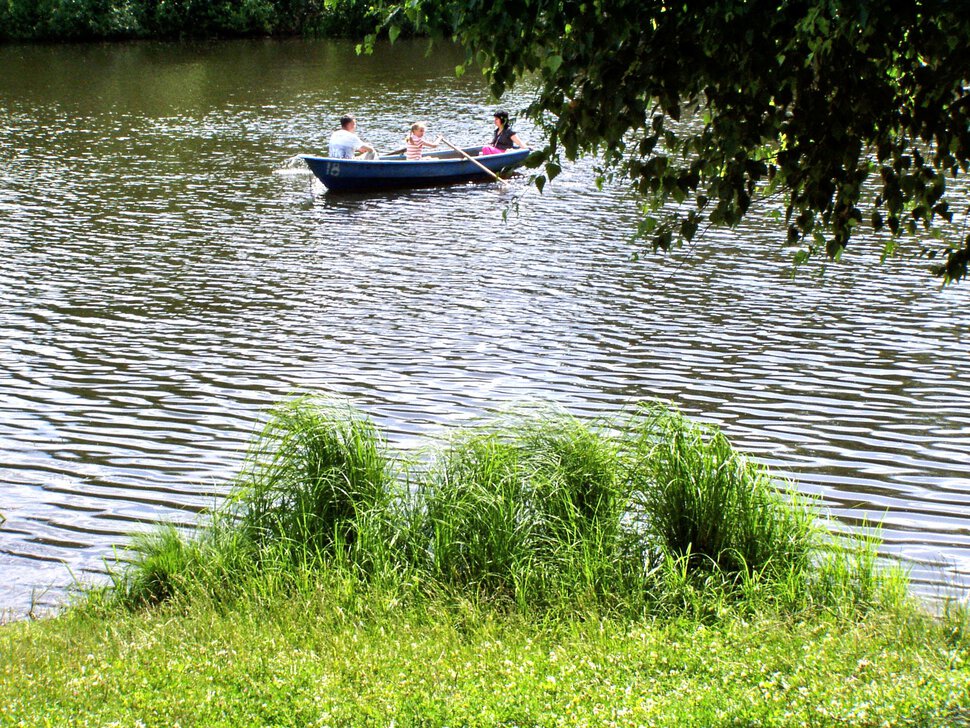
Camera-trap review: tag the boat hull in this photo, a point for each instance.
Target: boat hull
(394, 171)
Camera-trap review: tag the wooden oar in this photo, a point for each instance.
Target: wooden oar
(474, 161)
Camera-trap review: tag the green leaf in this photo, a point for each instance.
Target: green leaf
(367, 47)
(553, 62)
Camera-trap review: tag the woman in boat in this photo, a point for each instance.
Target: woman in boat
(505, 137)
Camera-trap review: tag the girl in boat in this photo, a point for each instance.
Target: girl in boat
(414, 142)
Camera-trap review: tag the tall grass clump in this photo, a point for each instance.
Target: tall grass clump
(316, 489)
(475, 512)
(527, 508)
(583, 502)
(317, 477)
(169, 563)
(162, 566)
(847, 575)
(536, 508)
(708, 504)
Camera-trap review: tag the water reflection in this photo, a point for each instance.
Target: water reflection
(163, 287)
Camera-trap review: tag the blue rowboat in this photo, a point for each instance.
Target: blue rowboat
(394, 171)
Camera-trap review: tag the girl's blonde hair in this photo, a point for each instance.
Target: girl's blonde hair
(414, 127)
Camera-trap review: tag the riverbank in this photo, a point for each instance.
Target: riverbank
(97, 20)
(325, 654)
(534, 570)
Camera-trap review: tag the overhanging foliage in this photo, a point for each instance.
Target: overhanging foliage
(858, 113)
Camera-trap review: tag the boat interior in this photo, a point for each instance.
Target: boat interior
(440, 154)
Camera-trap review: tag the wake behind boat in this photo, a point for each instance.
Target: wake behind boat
(395, 171)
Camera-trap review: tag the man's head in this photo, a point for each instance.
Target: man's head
(348, 122)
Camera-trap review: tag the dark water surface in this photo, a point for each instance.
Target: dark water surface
(167, 277)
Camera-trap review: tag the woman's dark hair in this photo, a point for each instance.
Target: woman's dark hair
(502, 116)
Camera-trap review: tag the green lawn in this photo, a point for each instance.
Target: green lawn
(327, 658)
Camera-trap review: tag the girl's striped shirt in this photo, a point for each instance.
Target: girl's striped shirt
(413, 146)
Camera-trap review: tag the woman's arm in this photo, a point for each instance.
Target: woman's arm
(518, 142)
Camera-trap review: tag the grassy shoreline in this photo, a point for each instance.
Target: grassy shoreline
(536, 570)
(323, 658)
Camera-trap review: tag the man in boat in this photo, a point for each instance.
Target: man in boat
(344, 143)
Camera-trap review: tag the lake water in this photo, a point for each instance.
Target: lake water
(167, 278)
